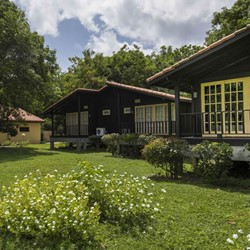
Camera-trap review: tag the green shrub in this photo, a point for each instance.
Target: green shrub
(126, 144)
(49, 207)
(214, 159)
(167, 154)
(111, 141)
(6, 143)
(71, 207)
(124, 199)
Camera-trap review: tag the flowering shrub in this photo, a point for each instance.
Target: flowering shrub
(72, 206)
(53, 206)
(123, 199)
(239, 240)
(167, 154)
(214, 159)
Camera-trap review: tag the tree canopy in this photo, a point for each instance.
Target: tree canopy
(229, 20)
(28, 69)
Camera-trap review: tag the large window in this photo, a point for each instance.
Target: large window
(151, 119)
(222, 106)
(72, 123)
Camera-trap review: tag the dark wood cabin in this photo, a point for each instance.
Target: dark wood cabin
(116, 108)
(218, 78)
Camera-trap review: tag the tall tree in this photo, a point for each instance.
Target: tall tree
(27, 67)
(229, 20)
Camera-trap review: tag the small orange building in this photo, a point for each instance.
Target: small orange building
(29, 130)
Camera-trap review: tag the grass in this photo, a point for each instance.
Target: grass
(194, 215)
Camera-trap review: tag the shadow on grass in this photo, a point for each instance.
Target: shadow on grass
(16, 154)
(227, 184)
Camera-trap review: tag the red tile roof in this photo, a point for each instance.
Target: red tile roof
(202, 51)
(28, 117)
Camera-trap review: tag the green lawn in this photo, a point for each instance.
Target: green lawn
(194, 215)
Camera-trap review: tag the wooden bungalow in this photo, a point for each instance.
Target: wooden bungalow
(218, 77)
(87, 114)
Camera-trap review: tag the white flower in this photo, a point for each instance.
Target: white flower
(235, 236)
(230, 241)
(240, 231)
(81, 214)
(156, 209)
(248, 236)
(163, 190)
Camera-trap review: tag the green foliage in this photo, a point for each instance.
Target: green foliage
(72, 206)
(126, 144)
(49, 207)
(6, 143)
(128, 65)
(167, 154)
(111, 141)
(28, 68)
(123, 199)
(229, 20)
(214, 159)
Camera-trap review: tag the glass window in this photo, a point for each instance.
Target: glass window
(24, 129)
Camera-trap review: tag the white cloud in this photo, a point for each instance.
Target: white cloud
(158, 22)
(107, 43)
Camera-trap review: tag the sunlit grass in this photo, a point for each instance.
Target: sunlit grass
(194, 215)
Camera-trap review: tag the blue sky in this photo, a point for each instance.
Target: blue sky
(71, 26)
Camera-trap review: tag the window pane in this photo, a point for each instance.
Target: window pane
(233, 115)
(227, 106)
(233, 97)
(206, 90)
(240, 96)
(212, 98)
(218, 98)
(218, 88)
(227, 97)
(207, 99)
(213, 108)
(218, 117)
(240, 106)
(240, 116)
(233, 86)
(206, 118)
(212, 89)
(206, 108)
(218, 107)
(240, 86)
(212, 118)
(233, 107)
(227, 87)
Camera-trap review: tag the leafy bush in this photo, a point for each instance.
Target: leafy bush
(214, 159)
(123, 199)
(126, 144)
(53, 206)
(6, 143)
(111, 141)
(167, 154)
(72, 206)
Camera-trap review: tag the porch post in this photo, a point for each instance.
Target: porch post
(52, 125)
(169, 119)
(177, 109)
(118, 113)
(52, 134)
(79, 113)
